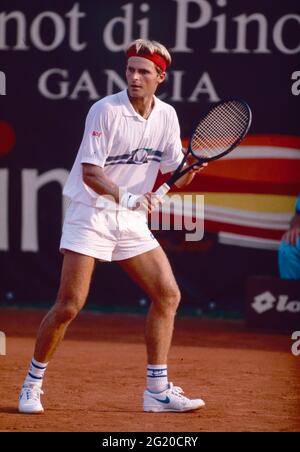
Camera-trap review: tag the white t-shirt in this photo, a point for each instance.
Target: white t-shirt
(130, 148)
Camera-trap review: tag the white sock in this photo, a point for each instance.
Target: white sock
(157, 377)
(36, 373)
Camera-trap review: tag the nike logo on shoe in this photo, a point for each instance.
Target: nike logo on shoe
(166, 400)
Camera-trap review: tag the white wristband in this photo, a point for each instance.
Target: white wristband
(129, 200)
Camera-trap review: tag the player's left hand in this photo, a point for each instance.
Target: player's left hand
(197, 168)
(191, 174)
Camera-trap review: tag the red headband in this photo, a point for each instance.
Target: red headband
(157, 59)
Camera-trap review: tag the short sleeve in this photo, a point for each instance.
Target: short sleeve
(94, 145)
(172, 155)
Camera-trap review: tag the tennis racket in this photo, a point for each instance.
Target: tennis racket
(217, 134)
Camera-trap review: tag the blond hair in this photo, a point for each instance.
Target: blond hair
(145, 46)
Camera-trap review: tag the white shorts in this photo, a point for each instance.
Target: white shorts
(107, 235)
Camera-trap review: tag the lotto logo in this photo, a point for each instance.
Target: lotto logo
(266, 301)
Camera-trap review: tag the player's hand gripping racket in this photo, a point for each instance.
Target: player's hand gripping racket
(216, 134)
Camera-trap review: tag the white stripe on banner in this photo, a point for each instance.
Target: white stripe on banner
(277, 221)
(228, 238)
(246, 152)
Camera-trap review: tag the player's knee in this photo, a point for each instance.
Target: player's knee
(66, 310)
(169, 300)
(176, 297)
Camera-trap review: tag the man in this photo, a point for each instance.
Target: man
(289, 250)
(128, 138)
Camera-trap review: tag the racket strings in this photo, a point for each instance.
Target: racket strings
(220, 129)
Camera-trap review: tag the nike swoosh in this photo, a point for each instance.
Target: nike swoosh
(166, 400)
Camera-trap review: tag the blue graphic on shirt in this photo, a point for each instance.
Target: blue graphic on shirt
(138, 156)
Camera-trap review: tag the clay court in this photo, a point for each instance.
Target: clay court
(249, 380)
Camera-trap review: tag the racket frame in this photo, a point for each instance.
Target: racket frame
(163, 189)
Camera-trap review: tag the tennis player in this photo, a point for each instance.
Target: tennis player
(129, 137)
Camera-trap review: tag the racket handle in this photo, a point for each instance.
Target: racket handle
(162, 190)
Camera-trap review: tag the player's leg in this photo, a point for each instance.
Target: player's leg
(152, 271)
(75, 281)
(74, 286)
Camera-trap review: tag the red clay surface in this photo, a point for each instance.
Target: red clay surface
(250, 381)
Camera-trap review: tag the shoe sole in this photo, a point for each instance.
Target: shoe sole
(31, 412)
(170, 410)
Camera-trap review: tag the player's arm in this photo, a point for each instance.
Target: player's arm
(175, 152)
(95, 178)
(187, 178)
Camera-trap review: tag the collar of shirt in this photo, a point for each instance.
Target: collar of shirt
(128, 109)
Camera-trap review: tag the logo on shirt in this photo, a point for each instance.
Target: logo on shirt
(139, 156)
(96, 134)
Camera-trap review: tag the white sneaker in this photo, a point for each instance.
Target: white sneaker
(29, 400)
(172, 399)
